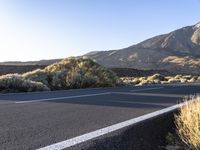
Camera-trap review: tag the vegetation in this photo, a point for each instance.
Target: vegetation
(66, 74)
(160, 79)
(188, 124)
(74, 73)
(16, 83)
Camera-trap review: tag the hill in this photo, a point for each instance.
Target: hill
(30, 63)
(8, 69)
(176, 52)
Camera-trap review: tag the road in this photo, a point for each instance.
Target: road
(36, 120)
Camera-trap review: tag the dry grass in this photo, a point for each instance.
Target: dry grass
(160, 79)
(183, 61)
(17, 83)
(69, 73)
(73, 73)
(188, 124)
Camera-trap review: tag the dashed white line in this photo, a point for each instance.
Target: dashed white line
(88, 136)
(60, 98)
(147, 89)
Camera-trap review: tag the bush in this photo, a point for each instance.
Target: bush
(74, 73)
(160, 79)
(37, 75)
(17, 83)
(156, 77)
(174, 80)
(67, 74)
(188, 124)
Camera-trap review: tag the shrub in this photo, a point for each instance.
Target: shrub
(164, 82)
(173, 80)
(37, 75)
(136, 81)
(145, 82)
(74, 73)
(183, 80)
(178, 77)
(156, 77)
(17, 83)
(160, 79)
(192, 80)
(188, 124)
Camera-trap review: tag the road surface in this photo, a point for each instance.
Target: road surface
(36, 120)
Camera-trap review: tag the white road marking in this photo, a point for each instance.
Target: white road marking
(78, 96)
(59, 98)
(147, 89)
(41, 92)
(88, 136)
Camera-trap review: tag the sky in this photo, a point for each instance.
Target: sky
(48, 29)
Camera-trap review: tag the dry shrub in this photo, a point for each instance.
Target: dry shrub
(145, 82)
(192, 80)
(188, 123)
(174, 80)
(136, 81)
(74, 73)
(156, 77)
(17, 83)
(183, 80)
(164, 82)
(37, 75)
(160, 79)
(179, 76)
(188, 77)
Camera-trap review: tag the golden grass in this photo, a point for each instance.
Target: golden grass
(160, 79)
(17, 83)
(188, 123)
(71, 73)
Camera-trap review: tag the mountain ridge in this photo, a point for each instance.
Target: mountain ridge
(177, 51)
(30, 63)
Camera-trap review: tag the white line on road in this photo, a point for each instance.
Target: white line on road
(78, 96)
(59, 98)
(88, 136)
(147, 89)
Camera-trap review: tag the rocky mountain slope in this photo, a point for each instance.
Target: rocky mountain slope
(177, 52)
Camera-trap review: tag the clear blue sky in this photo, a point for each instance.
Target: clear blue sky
(45, 29)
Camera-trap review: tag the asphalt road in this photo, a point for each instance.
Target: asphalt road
(35, 120)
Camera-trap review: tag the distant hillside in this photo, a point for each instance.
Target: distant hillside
(129, 72)
(176, 52)
(30, 63)
(121, 72)
(7, 69)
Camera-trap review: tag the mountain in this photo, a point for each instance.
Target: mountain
(177, 52)
(30, 63)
